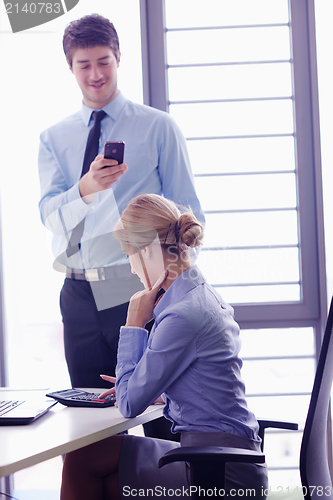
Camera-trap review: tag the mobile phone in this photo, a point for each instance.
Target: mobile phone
(114, 150)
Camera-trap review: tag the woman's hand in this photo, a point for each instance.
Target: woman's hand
(159, 401)
(140, 309)
(109, 391)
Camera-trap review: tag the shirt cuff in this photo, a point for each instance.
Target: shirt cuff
(75, 205)
(74, 196)
(132, 344)
(129, 328)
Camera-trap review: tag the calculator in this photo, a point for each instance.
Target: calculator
(79, 397)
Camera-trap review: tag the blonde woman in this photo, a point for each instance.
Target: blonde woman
(190, 361)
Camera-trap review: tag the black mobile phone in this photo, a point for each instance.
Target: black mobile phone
(114, 150)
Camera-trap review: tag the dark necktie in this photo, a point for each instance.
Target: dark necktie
(90, 154)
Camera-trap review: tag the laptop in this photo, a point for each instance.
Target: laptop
(20, 411)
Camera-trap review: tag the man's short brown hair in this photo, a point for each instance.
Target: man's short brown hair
(89, 31)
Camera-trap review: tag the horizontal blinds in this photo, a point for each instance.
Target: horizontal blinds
(230, 89)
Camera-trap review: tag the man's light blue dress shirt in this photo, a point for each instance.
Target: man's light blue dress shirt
(157, 160)
(191, 358)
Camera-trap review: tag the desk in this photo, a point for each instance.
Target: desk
(60, 431)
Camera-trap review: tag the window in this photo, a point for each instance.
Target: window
(278, 369)
(240, 79)
(237, 79)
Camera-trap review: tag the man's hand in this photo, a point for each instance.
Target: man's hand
(140, 309)
(99, 178)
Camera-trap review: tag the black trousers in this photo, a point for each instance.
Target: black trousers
(91, 342)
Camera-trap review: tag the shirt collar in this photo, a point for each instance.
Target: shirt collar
(113, 109)
(188, 280)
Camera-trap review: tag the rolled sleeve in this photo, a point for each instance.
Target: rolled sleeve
(144, 371)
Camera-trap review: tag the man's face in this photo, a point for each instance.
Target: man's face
(95, 70)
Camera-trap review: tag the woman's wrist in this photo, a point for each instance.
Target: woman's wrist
(131, 327)
(134, 324)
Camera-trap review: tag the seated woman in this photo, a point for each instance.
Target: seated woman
(190, 359)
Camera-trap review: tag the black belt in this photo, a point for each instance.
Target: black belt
(100, 273)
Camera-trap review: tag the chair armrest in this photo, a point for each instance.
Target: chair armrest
(275, 424)
(212, 454)
(207, 464)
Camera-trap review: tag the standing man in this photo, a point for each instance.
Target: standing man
(80, 203)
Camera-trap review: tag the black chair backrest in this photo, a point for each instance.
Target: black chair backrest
(315, 474)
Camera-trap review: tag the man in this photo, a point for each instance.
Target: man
(98, 284)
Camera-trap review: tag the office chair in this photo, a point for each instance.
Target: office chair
(314, 469)
(207, 464)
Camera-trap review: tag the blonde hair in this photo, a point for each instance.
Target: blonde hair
(150, 217)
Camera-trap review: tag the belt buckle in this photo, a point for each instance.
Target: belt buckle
(91, 274)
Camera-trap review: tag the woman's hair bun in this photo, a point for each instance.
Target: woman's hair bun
(150, 216)
(190, 231)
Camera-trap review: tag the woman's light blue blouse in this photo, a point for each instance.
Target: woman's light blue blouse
(191, 358)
